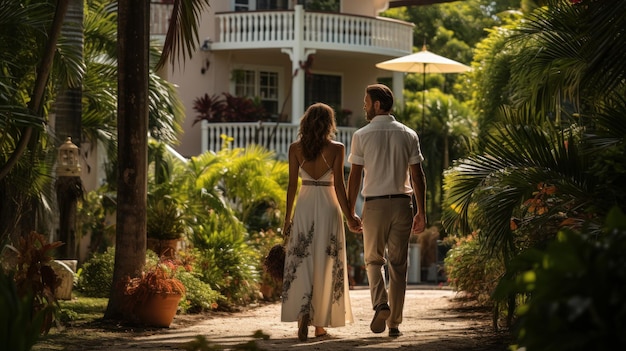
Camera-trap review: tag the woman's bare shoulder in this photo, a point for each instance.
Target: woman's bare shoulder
(296, 145)
(337, 147)
(337, 144)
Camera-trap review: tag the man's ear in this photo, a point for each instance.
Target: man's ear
(376, 106)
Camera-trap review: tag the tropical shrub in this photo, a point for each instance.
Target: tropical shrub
(200, 296)
(573, 290)
(35, 277)
(19, 328)
(228, 264)
(472, 271)
(96, 274)
(228, 108)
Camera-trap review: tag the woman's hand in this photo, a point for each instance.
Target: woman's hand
(354, 224)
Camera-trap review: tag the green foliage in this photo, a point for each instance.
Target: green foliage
(472, 271)
(574, 291)
(19, 329)
(200, 297)
(82, 308)
(93, 219)
(169, 208)
(95, 277)
(254, 178)
(227, 262)
(322, 5)
(34, 276)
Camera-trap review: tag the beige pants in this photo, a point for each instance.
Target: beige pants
(387, 225)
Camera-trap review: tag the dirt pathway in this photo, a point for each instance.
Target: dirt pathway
(434, 320)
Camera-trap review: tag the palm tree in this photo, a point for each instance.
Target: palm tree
(25, 151)
(549, 159)
(133, 72)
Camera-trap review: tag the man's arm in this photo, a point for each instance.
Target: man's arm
(354, 185)
(419, 190)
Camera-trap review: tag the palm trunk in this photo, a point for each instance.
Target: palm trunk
(130, 243)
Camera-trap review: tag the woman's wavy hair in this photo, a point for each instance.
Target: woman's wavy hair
(317, 128)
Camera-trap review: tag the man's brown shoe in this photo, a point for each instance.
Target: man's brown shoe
(379, 322)
(394, 332)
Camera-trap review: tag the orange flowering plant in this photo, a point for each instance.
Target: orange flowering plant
(157, 279)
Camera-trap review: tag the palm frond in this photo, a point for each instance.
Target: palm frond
(182, 33)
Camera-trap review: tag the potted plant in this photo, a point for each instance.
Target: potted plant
(154, 296)
(166, 224)
(168, 218)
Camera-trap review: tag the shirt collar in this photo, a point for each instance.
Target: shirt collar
(383, 118)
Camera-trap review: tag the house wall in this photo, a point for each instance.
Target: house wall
(357, 71)
(369, 8)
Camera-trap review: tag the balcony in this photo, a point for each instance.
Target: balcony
(272, 136)
(279, 29)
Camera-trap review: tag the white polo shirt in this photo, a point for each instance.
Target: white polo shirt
(385, 148)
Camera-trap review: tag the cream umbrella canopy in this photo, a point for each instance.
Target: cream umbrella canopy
(423, 62)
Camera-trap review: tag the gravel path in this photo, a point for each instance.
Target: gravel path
(430, 323)
(434, 320)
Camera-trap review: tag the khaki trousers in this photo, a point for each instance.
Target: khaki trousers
(387, 225)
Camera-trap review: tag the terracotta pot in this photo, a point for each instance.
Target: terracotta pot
(158, 310)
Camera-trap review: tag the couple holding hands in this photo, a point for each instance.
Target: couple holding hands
(386, 155)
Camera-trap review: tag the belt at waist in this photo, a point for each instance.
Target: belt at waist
(393, 196)
(316, 182)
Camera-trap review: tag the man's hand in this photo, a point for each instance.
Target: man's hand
(419, 224)
(354, 224)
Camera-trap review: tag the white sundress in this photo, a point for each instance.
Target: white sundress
(315, 280)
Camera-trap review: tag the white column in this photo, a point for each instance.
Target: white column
(298, 54)
(398, 86)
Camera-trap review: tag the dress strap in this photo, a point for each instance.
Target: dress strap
(326, 162)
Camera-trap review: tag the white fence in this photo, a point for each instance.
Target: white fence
(270, 135)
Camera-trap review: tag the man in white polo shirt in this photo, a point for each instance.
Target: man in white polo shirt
(388, 154)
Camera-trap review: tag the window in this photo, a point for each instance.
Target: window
(242, 5)
(323, 88)
(261, 84)
(272, 5)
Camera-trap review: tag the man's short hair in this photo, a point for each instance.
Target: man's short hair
(382, 94)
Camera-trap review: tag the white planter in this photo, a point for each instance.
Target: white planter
(414, 272)
(65, 270)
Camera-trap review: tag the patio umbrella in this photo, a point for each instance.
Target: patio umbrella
(423, 62)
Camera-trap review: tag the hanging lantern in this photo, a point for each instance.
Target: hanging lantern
(67, 163)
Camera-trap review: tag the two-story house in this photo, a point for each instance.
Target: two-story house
(286, 54)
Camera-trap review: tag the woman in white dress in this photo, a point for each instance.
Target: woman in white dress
(315, 280)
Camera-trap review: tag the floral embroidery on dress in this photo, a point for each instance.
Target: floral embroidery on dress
(333, 250)
(297, 254)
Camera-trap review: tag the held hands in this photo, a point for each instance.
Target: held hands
(354, 224)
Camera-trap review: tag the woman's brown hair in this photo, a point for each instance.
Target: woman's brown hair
(317, 128)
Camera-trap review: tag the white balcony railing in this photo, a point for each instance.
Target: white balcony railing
(266, 29)
(269, 135)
